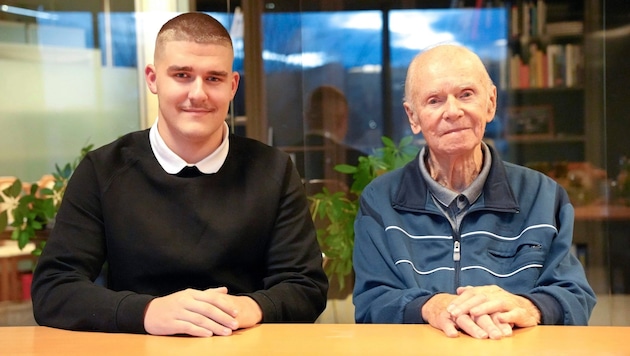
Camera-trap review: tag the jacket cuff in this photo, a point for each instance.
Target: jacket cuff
(413, 311)
(551, 312)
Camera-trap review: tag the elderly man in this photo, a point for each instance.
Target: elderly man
(457, 238)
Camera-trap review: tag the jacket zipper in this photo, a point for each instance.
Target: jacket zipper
(456, 258)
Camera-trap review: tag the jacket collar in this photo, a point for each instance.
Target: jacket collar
(413, 193)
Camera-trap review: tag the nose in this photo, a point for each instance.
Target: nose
(197, 91)
(452, 108)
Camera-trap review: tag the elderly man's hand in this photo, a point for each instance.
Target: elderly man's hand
(503, 307)
(434, 312)
(482, 312)
(485, 326)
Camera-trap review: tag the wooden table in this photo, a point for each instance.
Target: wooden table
(321, 339)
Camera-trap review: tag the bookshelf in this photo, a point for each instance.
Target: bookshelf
(546, 50)
(545, 81)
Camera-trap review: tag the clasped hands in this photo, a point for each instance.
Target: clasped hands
(481, 312)
(201, 313)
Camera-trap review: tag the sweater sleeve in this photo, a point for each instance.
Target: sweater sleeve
(294, 263)
(272, 256)
(64, 294)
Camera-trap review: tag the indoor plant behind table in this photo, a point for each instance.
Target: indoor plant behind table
(31, 208)
(334, 212)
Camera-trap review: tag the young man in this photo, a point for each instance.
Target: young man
(457, 238)
(202, 232)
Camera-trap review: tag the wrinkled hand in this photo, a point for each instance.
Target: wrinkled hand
(434, 312)
(491, 308)
(482, 312)
(200, 313)
(511, 308)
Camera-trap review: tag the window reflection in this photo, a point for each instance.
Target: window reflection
(482, 30)
(69, 79)
(307, 50)
(344, 49)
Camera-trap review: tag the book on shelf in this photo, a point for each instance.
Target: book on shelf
(573, 68)
(564, 28)
(557, 65)
(529, 19)
(541, 16)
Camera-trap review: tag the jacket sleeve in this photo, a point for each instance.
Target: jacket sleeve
(383, 295)
(563, 276)
(380, 292)
(295, 286)
(63, 292)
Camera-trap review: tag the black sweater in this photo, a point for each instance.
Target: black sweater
(246, 227)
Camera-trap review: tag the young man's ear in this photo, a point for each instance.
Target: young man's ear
(235, 80)
(151, 78)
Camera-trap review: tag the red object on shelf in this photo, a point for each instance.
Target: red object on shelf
(26, 279)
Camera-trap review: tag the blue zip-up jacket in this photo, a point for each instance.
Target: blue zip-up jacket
(517, 235)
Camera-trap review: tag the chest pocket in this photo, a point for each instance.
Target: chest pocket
(518, 255)
(512, 263)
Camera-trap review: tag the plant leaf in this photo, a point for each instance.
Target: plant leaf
(405, 142)
(339, 210)
(15, 190)
(388, 142)
(345, 168)
(23, 238)
(4, 220)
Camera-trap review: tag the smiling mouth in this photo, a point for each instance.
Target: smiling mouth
(455, 130)
(196, 110)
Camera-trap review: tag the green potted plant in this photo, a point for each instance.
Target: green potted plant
(335, 212)
(33, 207)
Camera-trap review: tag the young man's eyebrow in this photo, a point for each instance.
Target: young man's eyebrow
(175, 68)
(216, 73)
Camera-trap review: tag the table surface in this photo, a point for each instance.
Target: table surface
(321, 339)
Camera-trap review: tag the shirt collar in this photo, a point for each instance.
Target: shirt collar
(172, 163)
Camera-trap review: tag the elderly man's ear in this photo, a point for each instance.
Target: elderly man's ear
(492, 105)
(414, 122)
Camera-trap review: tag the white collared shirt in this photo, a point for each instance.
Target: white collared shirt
(172, 163)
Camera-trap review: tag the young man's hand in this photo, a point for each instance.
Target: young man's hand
(200, 313)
